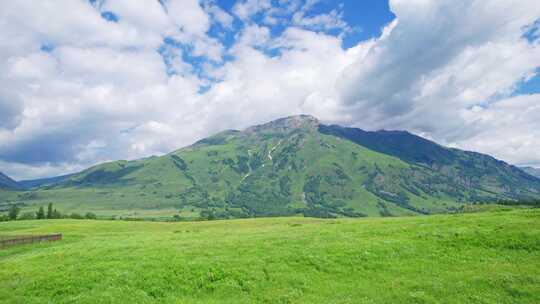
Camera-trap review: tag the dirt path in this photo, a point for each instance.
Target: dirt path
(272, 150)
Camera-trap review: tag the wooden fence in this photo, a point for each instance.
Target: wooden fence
(7, 241)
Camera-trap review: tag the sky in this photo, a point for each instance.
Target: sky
(88, 81)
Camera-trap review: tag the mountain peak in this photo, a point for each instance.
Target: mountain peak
(288, 123)
(300, 117)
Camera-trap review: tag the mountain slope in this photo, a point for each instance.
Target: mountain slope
(532, 171)
(7, 183)
(35, 183)
(478, 174)
(295, 165)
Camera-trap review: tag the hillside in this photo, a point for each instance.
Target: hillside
(7, 183)
(41, 182)
(532, 171)
(468, 258)
(292, 166)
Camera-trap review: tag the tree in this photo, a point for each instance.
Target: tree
(50, 211)
(56, 214)
(40, 214)
(90, 216)
(13, 212)
(208, 215)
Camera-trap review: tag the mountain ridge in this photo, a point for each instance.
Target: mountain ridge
(29, 184)
(8, 183)
(532, 171)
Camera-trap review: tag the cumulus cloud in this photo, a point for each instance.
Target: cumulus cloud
(10, 110)
(330, 21)
(245, 9)
(508, 129)
(79, 89)
(436, 61)
(219, 15)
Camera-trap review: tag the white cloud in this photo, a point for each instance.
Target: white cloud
(144, 15)
(220, 16)
(189, 16)
(439, 59)
(107, 66)
(509, 129)
(321, 22)
(32, 23)
(258, 87)
(245, 9)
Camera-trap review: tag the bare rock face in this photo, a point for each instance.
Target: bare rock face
(287, 123)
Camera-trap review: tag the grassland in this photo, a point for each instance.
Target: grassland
(490, 257)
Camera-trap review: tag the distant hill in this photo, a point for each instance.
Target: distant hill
(532, 171)
(7, 183)
(35, 183)
(294, 166)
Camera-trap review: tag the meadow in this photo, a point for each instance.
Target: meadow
(487, 257)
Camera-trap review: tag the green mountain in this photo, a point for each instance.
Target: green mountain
(293, 165)
(41, 182)
(532, 171)
(8, 191)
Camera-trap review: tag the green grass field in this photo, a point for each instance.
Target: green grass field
(489, 257)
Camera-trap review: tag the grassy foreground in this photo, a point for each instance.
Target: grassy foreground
(491, 257)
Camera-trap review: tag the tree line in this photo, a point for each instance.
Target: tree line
(533, 203)
(14, 213)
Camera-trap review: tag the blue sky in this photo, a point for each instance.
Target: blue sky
(529, 86)
(368, 17)
(123, 79)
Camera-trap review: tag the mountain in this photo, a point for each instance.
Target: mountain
(293, 166)
(532, 171)
(35, 183)
(7, 183)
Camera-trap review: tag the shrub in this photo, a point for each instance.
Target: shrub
(208, 215)
(90, 216)
(28, 216)
(13, 212)
(40, 214)
(56, 214)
